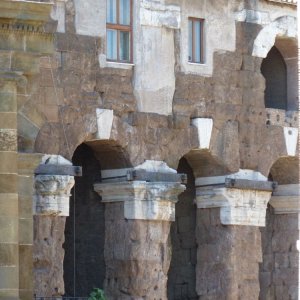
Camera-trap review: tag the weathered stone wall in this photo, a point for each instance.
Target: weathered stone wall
(182, 272)
(73, 83)
(227, 258)
(279, 270)
(137, 256)
(88, 233)
(48, 255)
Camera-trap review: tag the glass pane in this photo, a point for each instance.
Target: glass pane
(197, 37)
(124, 46)
(111, 44)
(111, 11)
(124, 12)
(190, 40)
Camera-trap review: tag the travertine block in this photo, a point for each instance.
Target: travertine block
(8, 183)
(8, 120)
(9, 204)
(25, 265)
(26, 231)
(8, 162)
(9, 229)
(9, 277)
(9, 254)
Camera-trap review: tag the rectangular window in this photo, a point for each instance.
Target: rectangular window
(196, 40)
(119, 30)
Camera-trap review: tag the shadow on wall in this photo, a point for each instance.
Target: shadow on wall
(84, 266)
(280, 71)
(182, 272)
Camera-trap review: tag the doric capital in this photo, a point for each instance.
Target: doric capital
(149, 192)
(242, 197)
(52, 191)
(285, 199)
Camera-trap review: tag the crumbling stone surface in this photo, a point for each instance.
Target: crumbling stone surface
(48, 255)
(279, 269)
(137, 256)
(227, 258)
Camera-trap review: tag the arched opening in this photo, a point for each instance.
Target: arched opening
(84, 266)
(279, 268)
(274, 70)
(182, 272)
(84, 262)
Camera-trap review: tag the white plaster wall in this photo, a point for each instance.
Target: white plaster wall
(154, 55)
(58, 14)
(90, 18)
(219, 31)
(154, 78)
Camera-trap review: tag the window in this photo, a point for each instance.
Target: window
(273, 68)
(196, 40)
(118, 30)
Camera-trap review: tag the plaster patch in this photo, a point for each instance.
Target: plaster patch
(51, 159)
(291, 138)
(104, 123)
(204, 126)
(156, 166)
(158, 14)
(90, 18)
(252, 16)
(58, 14)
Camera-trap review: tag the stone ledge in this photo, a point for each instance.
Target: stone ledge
(25, 10)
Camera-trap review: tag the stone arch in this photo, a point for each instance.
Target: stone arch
(188, 234)
(265, 40)
(282, 219)
(285, 170)
(282, 34)
(86, 224)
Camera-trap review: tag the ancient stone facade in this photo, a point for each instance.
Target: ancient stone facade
(189, 182)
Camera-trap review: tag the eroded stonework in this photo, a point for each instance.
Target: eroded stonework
(161, 108)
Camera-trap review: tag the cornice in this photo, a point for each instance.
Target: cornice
(16, 11)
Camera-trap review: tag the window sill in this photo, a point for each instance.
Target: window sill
(196, 64)
(119, 65)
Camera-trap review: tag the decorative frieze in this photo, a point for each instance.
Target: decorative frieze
(285, 199)
(146, 195)
(242, 197)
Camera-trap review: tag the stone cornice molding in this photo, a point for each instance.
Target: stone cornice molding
(25, 11)
(285, 199)
(242, 204)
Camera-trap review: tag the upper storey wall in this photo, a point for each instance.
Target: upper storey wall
(161, 38)
(78, 81)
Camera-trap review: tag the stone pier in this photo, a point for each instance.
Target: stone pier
(140, 206)
(279, 270)
(230, 211)
(51, 207)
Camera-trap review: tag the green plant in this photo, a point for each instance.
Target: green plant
(97, 294)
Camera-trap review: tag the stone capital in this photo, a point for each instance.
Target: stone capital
(52, 191)
(285, 199)
(145, 193)
(242, 197)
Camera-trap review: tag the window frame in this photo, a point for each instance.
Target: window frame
(202, 46)
(120, 27)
